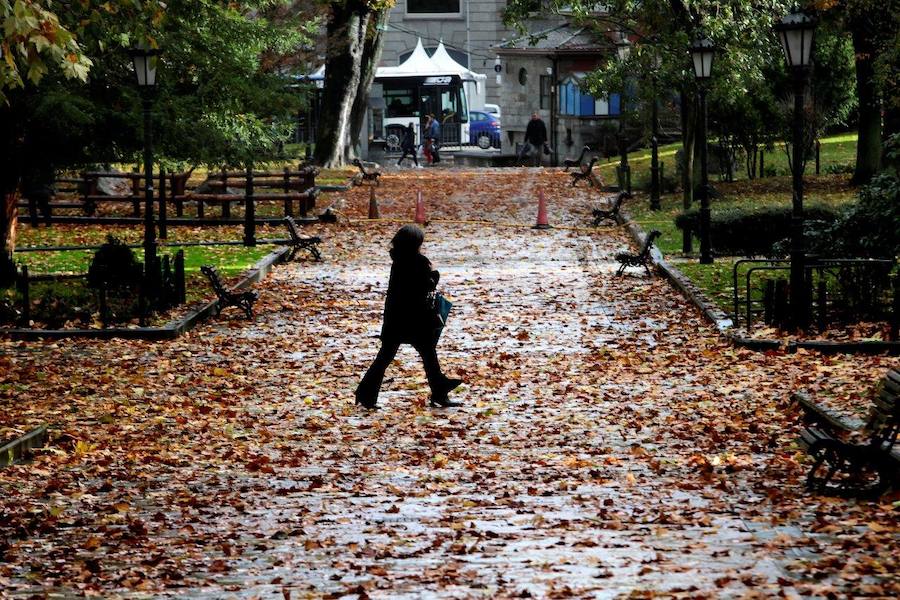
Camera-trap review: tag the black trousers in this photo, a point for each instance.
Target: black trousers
(412, 154)
(370, 385)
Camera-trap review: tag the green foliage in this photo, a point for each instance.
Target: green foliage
(751, 232)
(114, 266)
(867, 229)
(226, 92)
(33, 42)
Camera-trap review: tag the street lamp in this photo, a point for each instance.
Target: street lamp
(623, 51)
(796, 32)
(654, 139)
(702, 53)
(145, 62)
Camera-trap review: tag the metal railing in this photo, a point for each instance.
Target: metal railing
(845, 290)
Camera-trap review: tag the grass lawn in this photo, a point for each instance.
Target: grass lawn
(716, 279)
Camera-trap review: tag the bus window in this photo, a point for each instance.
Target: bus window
(400, 102)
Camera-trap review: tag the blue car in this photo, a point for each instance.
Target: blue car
(484, 130)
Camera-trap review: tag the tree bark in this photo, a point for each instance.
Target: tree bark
(354, 45)
(371, 56)
(868, 146)
(688, 145)
(10, 175)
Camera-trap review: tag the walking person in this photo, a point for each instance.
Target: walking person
(434, 135)
(426, 146)
(409, 319)
(535, 138)
(408, 145)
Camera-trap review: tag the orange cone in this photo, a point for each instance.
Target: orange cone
(542, 222)
(420, 209)
(373, 204)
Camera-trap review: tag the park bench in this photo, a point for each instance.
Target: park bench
(585, 173)
(611, 213)
(627, 259)
(572, 162)
(366, 174)
(852, 457)
(243, 300)
(299, 242)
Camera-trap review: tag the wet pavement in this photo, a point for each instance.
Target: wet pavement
(610, 444)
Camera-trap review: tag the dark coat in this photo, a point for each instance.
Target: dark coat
(536, 132)
(408, 143)
(407, 317)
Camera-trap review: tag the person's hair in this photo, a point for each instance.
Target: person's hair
(411, 125)
(407, 241)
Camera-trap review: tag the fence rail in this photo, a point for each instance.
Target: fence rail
(843, 291)
(294, 187)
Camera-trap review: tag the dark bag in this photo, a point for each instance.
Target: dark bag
(546, 148)
(440, 309)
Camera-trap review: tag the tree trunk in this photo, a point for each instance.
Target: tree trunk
(354, 49)
(346, 31)
(371, 56)
(688, 143)
(868, 146)
(10, 175)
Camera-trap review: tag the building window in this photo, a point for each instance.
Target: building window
(418, 7)
(545, 91)
(574, 102)
(523, 76)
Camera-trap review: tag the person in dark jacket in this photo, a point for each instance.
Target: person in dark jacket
(434, 136)
(408, 144)
(408, 319)
(535, 137)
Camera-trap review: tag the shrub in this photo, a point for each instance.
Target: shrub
(867, 229)
(114, 266)
(838, 169)
(751, 232)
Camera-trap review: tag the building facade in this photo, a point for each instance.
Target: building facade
(545, 77)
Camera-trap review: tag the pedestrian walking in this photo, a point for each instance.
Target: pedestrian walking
(409, 318)
(434, 135)
(535, 139)
(426, 136)
(408, 144)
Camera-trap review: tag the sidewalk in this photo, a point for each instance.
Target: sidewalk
(610, 443)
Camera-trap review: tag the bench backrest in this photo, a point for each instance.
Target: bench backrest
(292, 228)
(362, 167)
(584, 151)
(884, 419)
(648, 243)
(213, 277)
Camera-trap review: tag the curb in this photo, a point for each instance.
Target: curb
(169, 331)
(18, 450)
(724, 324)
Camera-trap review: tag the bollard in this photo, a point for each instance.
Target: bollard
(288, 202)
(822, 301)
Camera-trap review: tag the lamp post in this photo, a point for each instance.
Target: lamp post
(623, 51)
(702, 53)
(654, 139)
(796, 32)
(145, 62)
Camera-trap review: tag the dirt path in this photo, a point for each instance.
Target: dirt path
(610, 443)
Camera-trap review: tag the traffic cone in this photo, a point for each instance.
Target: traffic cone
(420, 209)
(373, 204)
(542, 222)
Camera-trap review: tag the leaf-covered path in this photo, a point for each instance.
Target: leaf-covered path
(610, 443)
